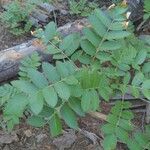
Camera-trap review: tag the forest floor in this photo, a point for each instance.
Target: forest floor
(8, 40)
(25, 137)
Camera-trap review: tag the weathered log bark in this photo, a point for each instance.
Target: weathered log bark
(136, 9)
(10, 58)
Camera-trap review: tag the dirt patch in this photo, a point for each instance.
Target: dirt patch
(28, 138)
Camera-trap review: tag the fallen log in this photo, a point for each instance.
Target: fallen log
(136, 9)
(10, 58)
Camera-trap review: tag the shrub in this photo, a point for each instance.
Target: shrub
(16, 17)
(82, 7)
(112, 61)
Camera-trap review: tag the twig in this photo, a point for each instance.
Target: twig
(143, 121)
(148, 102)
(140, 25)
(148, 113)
(92, 136)
(98, 115)
(55, 17)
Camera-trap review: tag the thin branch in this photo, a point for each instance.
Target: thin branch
(98, 115)
(147, 101)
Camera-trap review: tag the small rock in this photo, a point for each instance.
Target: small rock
(41, 137)
(28, 133)
(64, 12)
(6, 148)
(66, 140)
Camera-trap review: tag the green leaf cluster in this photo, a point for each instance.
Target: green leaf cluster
(29, 62)
(107, 59)
(140, 140)
(55, 45)
(55, 93)
(119, 125)
(16, 17)
(105, 37)
(82, 7)
(50, 95)
(6, 92)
